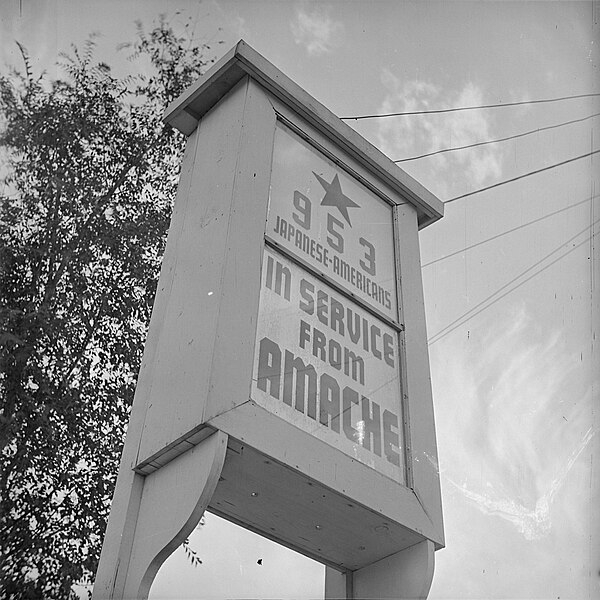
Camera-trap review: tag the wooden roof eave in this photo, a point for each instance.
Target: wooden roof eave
(242, 60)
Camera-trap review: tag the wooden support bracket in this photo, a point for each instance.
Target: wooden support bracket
(171, 503)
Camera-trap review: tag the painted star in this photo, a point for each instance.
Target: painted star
(335, 197)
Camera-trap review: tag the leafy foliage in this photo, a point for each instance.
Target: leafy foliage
(89, 178)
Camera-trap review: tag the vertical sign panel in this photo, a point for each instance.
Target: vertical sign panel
(327, 354)
(327, 218)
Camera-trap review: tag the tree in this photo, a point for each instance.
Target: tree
(89, 180)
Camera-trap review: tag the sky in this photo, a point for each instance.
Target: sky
(510, 274)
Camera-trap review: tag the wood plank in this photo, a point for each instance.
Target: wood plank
(120, 530)
(407, 575)
(192, 292)
(418, 396)
(282, 504)
(173, 502)
(202, 96)
(261, 430)
(233, 353)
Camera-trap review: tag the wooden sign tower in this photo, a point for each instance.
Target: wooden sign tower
(285, 381)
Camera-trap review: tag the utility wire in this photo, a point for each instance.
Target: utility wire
(450, 329)
(481, 306)
(448, 110)
(495, 185)
(499, 235)
(458, 322)
(504, 139)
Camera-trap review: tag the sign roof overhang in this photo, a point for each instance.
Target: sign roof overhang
(242, 60)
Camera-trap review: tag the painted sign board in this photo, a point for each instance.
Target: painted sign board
(284, 360)
(327, 358)
(327, 366)
(322, 215)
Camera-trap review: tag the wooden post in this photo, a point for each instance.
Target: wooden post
(166, 508)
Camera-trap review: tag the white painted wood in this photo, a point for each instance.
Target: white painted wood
(180, 373)
(203, 95)
(300, 513)
(233, 354)
(174, 449)
(274, 437)
(317, 460)
(406, 575)
(164, 508)
(204, 363)
(421, 434)
(336, 585)
(198, 366)
(118, 538)
(173, 501)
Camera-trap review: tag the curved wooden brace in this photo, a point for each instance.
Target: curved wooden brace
(405, 575)
(174, 498)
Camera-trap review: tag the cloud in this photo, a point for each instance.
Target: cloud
(521, 430)
(316, 30)
(404, 136)
(533, 522)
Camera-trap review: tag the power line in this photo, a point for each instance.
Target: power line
(495, 185)
(481, 306)
(504, 139)
(448, 110)
(450, 329)
(499, 235)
